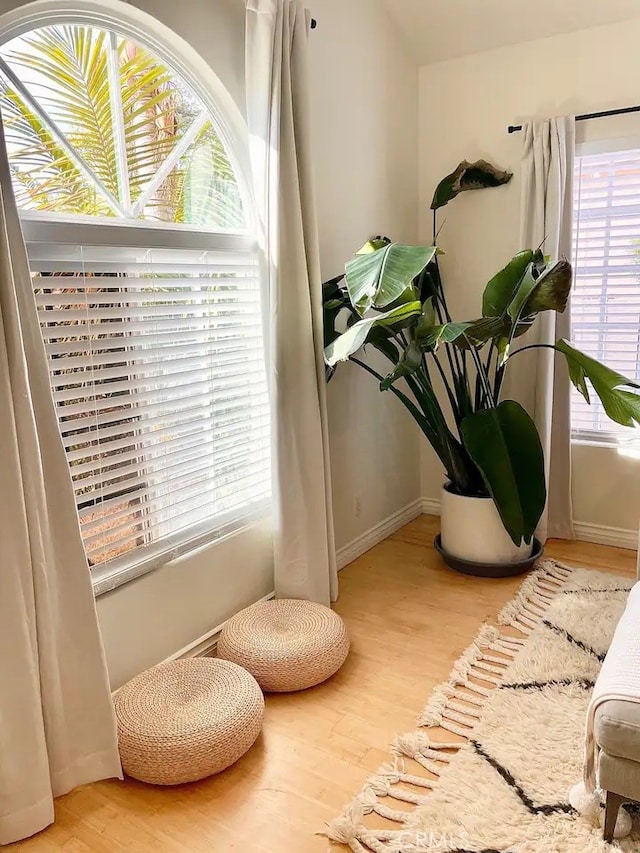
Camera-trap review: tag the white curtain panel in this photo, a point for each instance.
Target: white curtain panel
(539, 378)
(57, 727)
(280, 138)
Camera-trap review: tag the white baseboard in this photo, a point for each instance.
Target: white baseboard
(430, 506)
(205, 645)
(618, 537)
(363, 543)
(603, 535)
(598, 533)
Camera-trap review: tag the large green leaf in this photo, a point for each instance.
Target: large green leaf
(381, 338)
(482, 330)
(334, 300)
(468, 176)
(373, 245)
(504, 444)
(548, 291)
(552, 289)
(522, 294)
(409, 363)
(356, 335)
(429, 334)
(447, 333)
(428, 339)
(500, 290)
(621, 406)
(378, 278)
(427, 318)
(428, 281)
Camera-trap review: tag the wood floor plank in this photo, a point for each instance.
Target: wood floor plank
(409, 618)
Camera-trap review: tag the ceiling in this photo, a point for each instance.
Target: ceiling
(445, 29)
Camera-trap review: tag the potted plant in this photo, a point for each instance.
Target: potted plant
(449, 375)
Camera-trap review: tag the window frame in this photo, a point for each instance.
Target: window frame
(612, 145)
(169, 47)
(130, 22)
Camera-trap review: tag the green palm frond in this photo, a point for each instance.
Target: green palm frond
(74, 60)
(67, 70)
(46, 178)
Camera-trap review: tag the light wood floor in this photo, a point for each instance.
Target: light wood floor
(409, 618)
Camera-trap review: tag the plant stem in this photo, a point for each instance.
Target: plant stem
(441, 300)
(403, 397)
(481, 375)
(487, 368)
(531, 346)
(497, 379)
(444, 443)
(420, 419)
(503, 367)
(452, 400)
(492, 347)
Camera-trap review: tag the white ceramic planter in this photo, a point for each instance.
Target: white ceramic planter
(471, 529)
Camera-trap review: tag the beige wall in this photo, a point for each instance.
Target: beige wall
(465, 107)
(365, 117)
(365, 95)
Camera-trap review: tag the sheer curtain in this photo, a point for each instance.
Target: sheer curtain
(280, 138)
(57, 728)
(536, 378)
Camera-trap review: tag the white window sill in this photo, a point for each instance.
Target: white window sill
(588, 441)
(109, 576)
(623, 446)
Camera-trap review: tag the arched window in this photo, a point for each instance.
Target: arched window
(143, 262)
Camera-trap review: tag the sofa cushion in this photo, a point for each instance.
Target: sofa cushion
(617, 728)
(620, 776)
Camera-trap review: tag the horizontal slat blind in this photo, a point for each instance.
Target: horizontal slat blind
(605, 307)
(157, 372)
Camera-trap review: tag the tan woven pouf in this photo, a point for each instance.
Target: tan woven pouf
(185, 720)
(286, 644)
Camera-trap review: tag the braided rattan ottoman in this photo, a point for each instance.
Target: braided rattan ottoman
(286, 644)
(185, 720)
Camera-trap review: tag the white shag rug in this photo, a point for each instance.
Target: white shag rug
(501, 742)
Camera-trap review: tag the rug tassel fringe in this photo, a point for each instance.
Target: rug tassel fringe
(347, 828)
(455, 706)
(397, 772)
(424, 751)
(527, 609)
(350, 830)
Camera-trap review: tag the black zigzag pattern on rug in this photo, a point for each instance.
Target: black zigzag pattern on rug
(625, 589)
(571, 639)
(555, 682)
(486, 850)
(527, 802)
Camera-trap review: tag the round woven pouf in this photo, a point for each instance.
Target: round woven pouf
(188, 719)
(286, 644)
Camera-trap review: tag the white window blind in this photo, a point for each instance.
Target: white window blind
(157, 372)
(605, 307)
(139, 230)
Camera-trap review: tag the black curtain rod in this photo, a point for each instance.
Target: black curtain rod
(514, 128)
